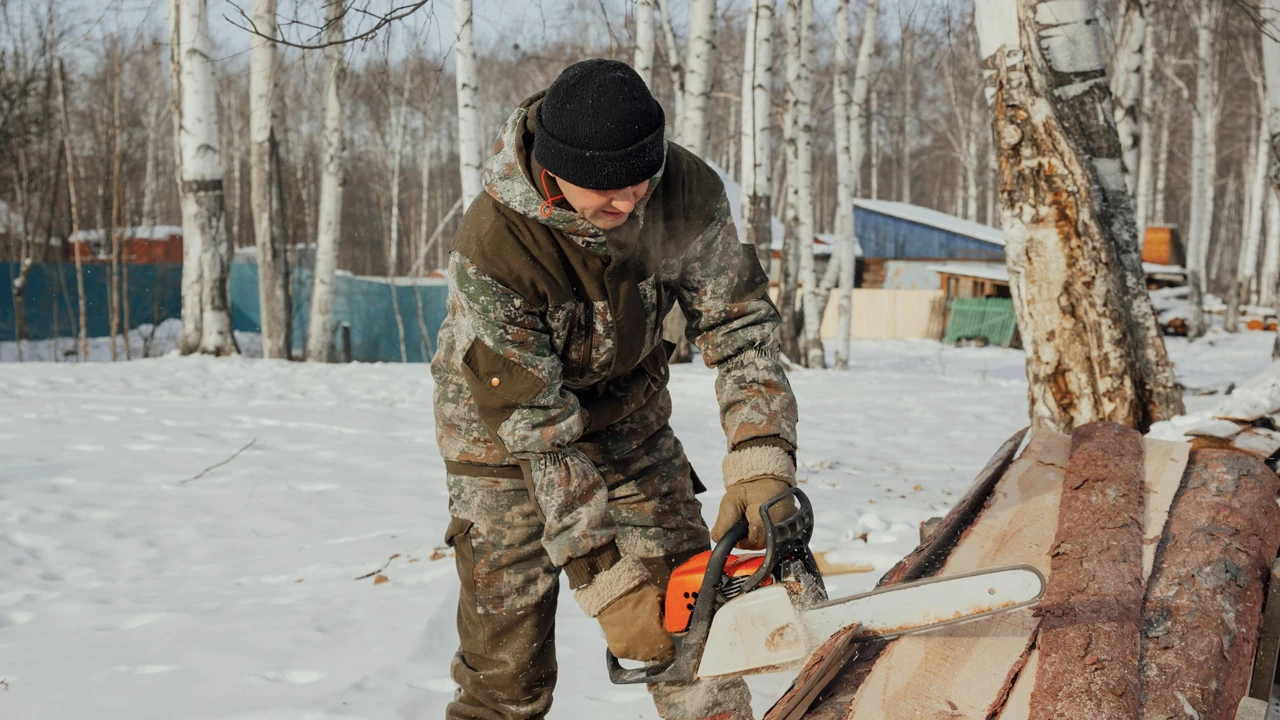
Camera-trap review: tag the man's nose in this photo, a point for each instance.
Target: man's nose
(625, 202)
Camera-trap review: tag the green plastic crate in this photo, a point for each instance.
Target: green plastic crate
(990, 318)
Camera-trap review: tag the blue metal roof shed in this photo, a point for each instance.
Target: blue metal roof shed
(890, 230)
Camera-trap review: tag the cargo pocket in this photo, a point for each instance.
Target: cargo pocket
(458, 537)
(499, 386)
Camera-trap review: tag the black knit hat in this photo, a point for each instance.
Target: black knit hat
(599, 127)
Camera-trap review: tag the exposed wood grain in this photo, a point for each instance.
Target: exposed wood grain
(955, 672)
(1203, 605)
(924, 561)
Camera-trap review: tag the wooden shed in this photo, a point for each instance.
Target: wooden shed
(144, 245)
(901, 234)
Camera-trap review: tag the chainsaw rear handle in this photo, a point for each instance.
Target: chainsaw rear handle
(784, 539)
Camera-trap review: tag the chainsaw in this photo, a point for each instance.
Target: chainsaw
(739, 615)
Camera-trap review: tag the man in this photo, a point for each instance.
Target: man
(551, 401)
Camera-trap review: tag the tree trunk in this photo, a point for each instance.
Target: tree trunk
(846, 182)
(1203, 162)
(1093, 346)
(757, 79)
(1126, 85)
(401, 116)
(800, 82)
(468, 111)
(69, 150)
(1088, 665)
(906, 69)
(675, 67)
(873, 148)
(1146, 116)
(117, 206)
(329, 223)
(1270, 275)
(857, 109)
(149, 173)
(1244, 288)
(698, 77)
(644, 40)
(264, 113)
(206, 320)
(1216, 552)
(1162, 163)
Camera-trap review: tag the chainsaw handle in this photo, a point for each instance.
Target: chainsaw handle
(684, 665)
(788, 537)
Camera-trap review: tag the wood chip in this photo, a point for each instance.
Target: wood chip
(380, 578)
(1216, 428)
(1257, 441)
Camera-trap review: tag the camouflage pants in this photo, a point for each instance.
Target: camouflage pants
(506, 665)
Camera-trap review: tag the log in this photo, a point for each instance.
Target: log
(1088, 657)
(1203, 605)
(922, 562)
(967, 670)
(1164, 463)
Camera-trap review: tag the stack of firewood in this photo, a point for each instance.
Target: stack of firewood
(1158, 557)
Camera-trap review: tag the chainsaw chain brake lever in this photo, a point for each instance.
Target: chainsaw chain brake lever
(786, 539)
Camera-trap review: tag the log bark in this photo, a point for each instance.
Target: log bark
(1203, 605)
(1088, 660)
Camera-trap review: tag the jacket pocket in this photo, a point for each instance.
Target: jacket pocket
(499, 386)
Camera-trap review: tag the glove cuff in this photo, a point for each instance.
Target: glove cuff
(581, 570)
(751, 463)
(629, 574)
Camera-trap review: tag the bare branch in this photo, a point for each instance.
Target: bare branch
(381, 21)
(215, 466)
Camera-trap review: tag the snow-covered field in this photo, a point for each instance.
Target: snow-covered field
(143, 575)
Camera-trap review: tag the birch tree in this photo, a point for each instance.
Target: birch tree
(757, 79)
(264, 178)
(698, 76)
(1126, 85)
(1270, 12)
(1204, 160)
(644, 41)
(675, 68)
(800, 83)
(1270, 274)
(1242, 290)
(206, 320)
(1147, 119)
(1094, 350)
(329, 222)
(857, 106)
(468, 110)
(69, 150)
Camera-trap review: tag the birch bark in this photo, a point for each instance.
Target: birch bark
(206, 320)
(329, 223)
(264, 120)
(1126, 85)
(1271, 257)
(644, 41)
(757, 79)
(698, 76)
(1094, 350)
(1149, 97)
(812, 312)
(468, 110)
(675, 68)
(69, 148)
(857, 150)
(1203, 161)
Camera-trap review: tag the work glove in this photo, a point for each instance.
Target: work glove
(752, 477)
(627, 607)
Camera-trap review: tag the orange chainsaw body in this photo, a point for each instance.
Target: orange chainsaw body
(686, 582)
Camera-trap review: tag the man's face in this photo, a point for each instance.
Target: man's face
(606, 209)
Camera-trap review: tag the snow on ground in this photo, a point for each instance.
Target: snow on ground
(145, 575)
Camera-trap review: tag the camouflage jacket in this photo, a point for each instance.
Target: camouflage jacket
(551, 362)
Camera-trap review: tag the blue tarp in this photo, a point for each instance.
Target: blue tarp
(364, 304)
(53, 305)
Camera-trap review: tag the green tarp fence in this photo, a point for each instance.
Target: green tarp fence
(53, 302)
(362, 304)
(990, 318)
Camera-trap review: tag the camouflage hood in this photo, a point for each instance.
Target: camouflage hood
(508, 178)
